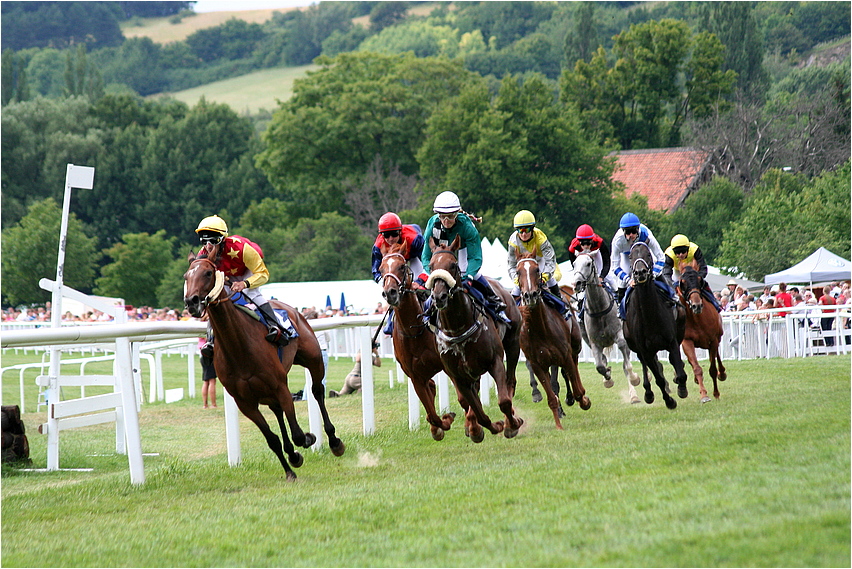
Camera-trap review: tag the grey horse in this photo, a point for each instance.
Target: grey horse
(600, 324)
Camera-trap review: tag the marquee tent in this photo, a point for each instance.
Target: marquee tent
(822, 265)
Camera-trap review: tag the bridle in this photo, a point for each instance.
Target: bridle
(407, 275)
(596, 281)
(214, 296)
(531, 298)
(445, 341)
(640, 274)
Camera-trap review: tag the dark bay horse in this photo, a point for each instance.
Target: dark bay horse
(547, 339)
(703, 330)
(652, 325)
(249, 368)
(601, 326)
(413, 342)
(470, 344)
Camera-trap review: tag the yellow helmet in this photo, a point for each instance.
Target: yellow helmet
(680, 240)
(213, 223)
(524, 218)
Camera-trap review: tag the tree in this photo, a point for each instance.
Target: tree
(520, 151)
(136, 268)
(340, 117)
(385, 14)
(235, 39)
(31, 249)
(60, 24)
(380, 193)
(582, 43)
(170, 290)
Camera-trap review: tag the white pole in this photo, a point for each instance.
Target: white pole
(485, 388)
(190, 369)
(368, 405)
(390, 377)
(232, 429)
(443, 392)
(314, 416)
(413, 408)
(131, 418)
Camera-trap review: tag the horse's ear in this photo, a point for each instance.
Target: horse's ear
(432, 244)
(191, 257)
(454, 246)
(403, 248)
(384, 248)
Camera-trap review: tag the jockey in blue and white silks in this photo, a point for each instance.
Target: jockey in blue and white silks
(630, 231)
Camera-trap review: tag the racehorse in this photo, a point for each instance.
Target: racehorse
(413, 343)
(703, 330)
(548, 339)
(470, 344)
(652, 325)
(601, 325)
(249, 367)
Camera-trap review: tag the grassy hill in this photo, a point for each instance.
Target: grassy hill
(162, 31)
(251, 92)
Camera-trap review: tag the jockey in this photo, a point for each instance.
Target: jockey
(393, 232)
(683, 252)
(527, 238)
(632, 231)
(587, 242)
(442, 228)
(242, 262)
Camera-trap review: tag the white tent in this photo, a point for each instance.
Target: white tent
(822, 265)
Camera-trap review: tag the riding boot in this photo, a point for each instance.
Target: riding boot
(207, 349)
(490, 296)
(276, 334)
(554, 290)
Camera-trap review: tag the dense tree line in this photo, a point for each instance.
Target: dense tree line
(509, 105)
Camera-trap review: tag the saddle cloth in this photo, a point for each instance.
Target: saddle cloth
(244, 304)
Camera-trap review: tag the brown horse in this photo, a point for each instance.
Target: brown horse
(249, 367)
(413, 343)
(548, 339)
(703, 330)
(470, 344)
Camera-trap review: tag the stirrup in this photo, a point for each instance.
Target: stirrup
(207, 350)
(277, 337)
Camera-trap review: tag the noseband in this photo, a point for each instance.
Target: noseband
(403, 283)
(634, 269)
(212, 297)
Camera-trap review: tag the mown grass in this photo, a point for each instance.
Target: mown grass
(759, 478)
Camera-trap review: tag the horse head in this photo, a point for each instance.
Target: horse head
(691, 285)
(584, 272)
(641, 262)
(203, 284)
(446, 278)
(396, 274)
(529, 279)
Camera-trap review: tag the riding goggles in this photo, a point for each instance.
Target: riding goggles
(525, 229)
(683, 250)
(631, 230)
(210, 237)
(447, 215)
(585, 242)
(387, 234)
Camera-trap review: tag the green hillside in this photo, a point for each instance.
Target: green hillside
(251, 92)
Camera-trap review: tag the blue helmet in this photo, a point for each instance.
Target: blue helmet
(629, 220)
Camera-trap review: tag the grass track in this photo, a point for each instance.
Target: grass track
(759, 478)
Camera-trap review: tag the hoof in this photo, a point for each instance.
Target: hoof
(682, 391)
(338, 449)
(635, 399)
(671, 403)
(705, 399)
(291, 476)
(310, 440)
(723, 376)
(634, 381)
(296, 460)
(437, 433)
(585, 403)
(478, 437)
(560, 412)
(536, 396)
(649, 397)
(569, 401)
(608, 383)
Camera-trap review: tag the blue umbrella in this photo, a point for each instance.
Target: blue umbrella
(328, 301)
(342, 303)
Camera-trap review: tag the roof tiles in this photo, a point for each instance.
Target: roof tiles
(664, 175)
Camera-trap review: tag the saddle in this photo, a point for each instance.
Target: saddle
(242, 302)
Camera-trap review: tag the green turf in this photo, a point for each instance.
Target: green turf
(758, 478)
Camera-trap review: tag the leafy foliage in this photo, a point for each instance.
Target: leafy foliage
(136, 268)
(31, 249)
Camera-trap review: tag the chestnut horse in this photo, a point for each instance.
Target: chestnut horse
(249, 367)
(413, 343)
(652, 325)
(470, 344)
(548, 339)
(703, 330)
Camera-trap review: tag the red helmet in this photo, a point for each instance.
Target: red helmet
(585, 232)
(389, 222)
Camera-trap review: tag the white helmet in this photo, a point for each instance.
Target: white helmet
(446, 202)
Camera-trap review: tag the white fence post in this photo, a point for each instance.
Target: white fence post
(314, 415)
(367, 393)
(443, 392)
(232, 429)
(413, 408)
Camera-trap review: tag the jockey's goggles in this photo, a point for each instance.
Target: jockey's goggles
(585, 242)
(210, 237)
(525, 229)
(631, 230)
(447, 215)
(681, 250)
(394, 233)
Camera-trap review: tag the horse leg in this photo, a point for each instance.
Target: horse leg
(627, 366)
(504, 396)
(601, 365)
(723, 373)
(572, 377)
(425, 389)
(657, 370)
(296, 459)
(475, 417)
(318, 390)
(689, 349)
(285, 399)
(646, 383)
(552, 401)
(256, 417)
(680, 371)
(536, 394)
(714, 372)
